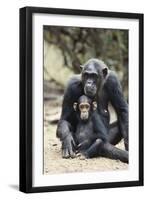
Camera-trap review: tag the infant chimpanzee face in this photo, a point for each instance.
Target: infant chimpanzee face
(84, 107)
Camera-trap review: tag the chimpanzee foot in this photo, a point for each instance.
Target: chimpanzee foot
(81, 156)
(73, 155)
(66, 154)
(69, 156)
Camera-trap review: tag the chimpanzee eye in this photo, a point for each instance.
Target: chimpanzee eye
(81, 106)
(94, 76)
(87, 107)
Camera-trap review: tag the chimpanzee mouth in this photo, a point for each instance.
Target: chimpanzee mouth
(84, 117)
(84, 120)
(90, 92)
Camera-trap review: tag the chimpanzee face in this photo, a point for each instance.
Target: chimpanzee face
(90, 82)
(84, 107)
(93, 74)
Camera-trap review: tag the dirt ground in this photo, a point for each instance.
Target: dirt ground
(53, 161)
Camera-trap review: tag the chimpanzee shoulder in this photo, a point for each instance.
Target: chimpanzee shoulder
(74, 87)
(114, 90)
(111, 81)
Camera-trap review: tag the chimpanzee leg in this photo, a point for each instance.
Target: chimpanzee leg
(94, 149)
(100, 148)
(84, 145)
(110, 151)
(114, 135)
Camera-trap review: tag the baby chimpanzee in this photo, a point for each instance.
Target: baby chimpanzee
(85, 135)
(88, 142)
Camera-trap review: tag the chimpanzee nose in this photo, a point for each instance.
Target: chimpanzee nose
(84, 111)
(89, 84)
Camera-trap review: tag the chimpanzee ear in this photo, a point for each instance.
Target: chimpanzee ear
(75, 106)
(81, 67)
(105, 71)
(94, 105)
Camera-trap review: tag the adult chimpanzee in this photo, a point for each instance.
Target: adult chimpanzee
(100, 84)
(89, 142)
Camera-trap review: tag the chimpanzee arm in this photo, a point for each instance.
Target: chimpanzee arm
(64, 132)
(64, 127)
(99, 127)
(114, 91)
(68, 143)
(114, 136)
(67, 110)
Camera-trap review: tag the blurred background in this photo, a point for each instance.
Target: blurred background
(65, 49)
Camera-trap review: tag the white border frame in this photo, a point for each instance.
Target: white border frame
(132, 174)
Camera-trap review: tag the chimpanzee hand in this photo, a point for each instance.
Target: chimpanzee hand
(68, 145)
(83, 145)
